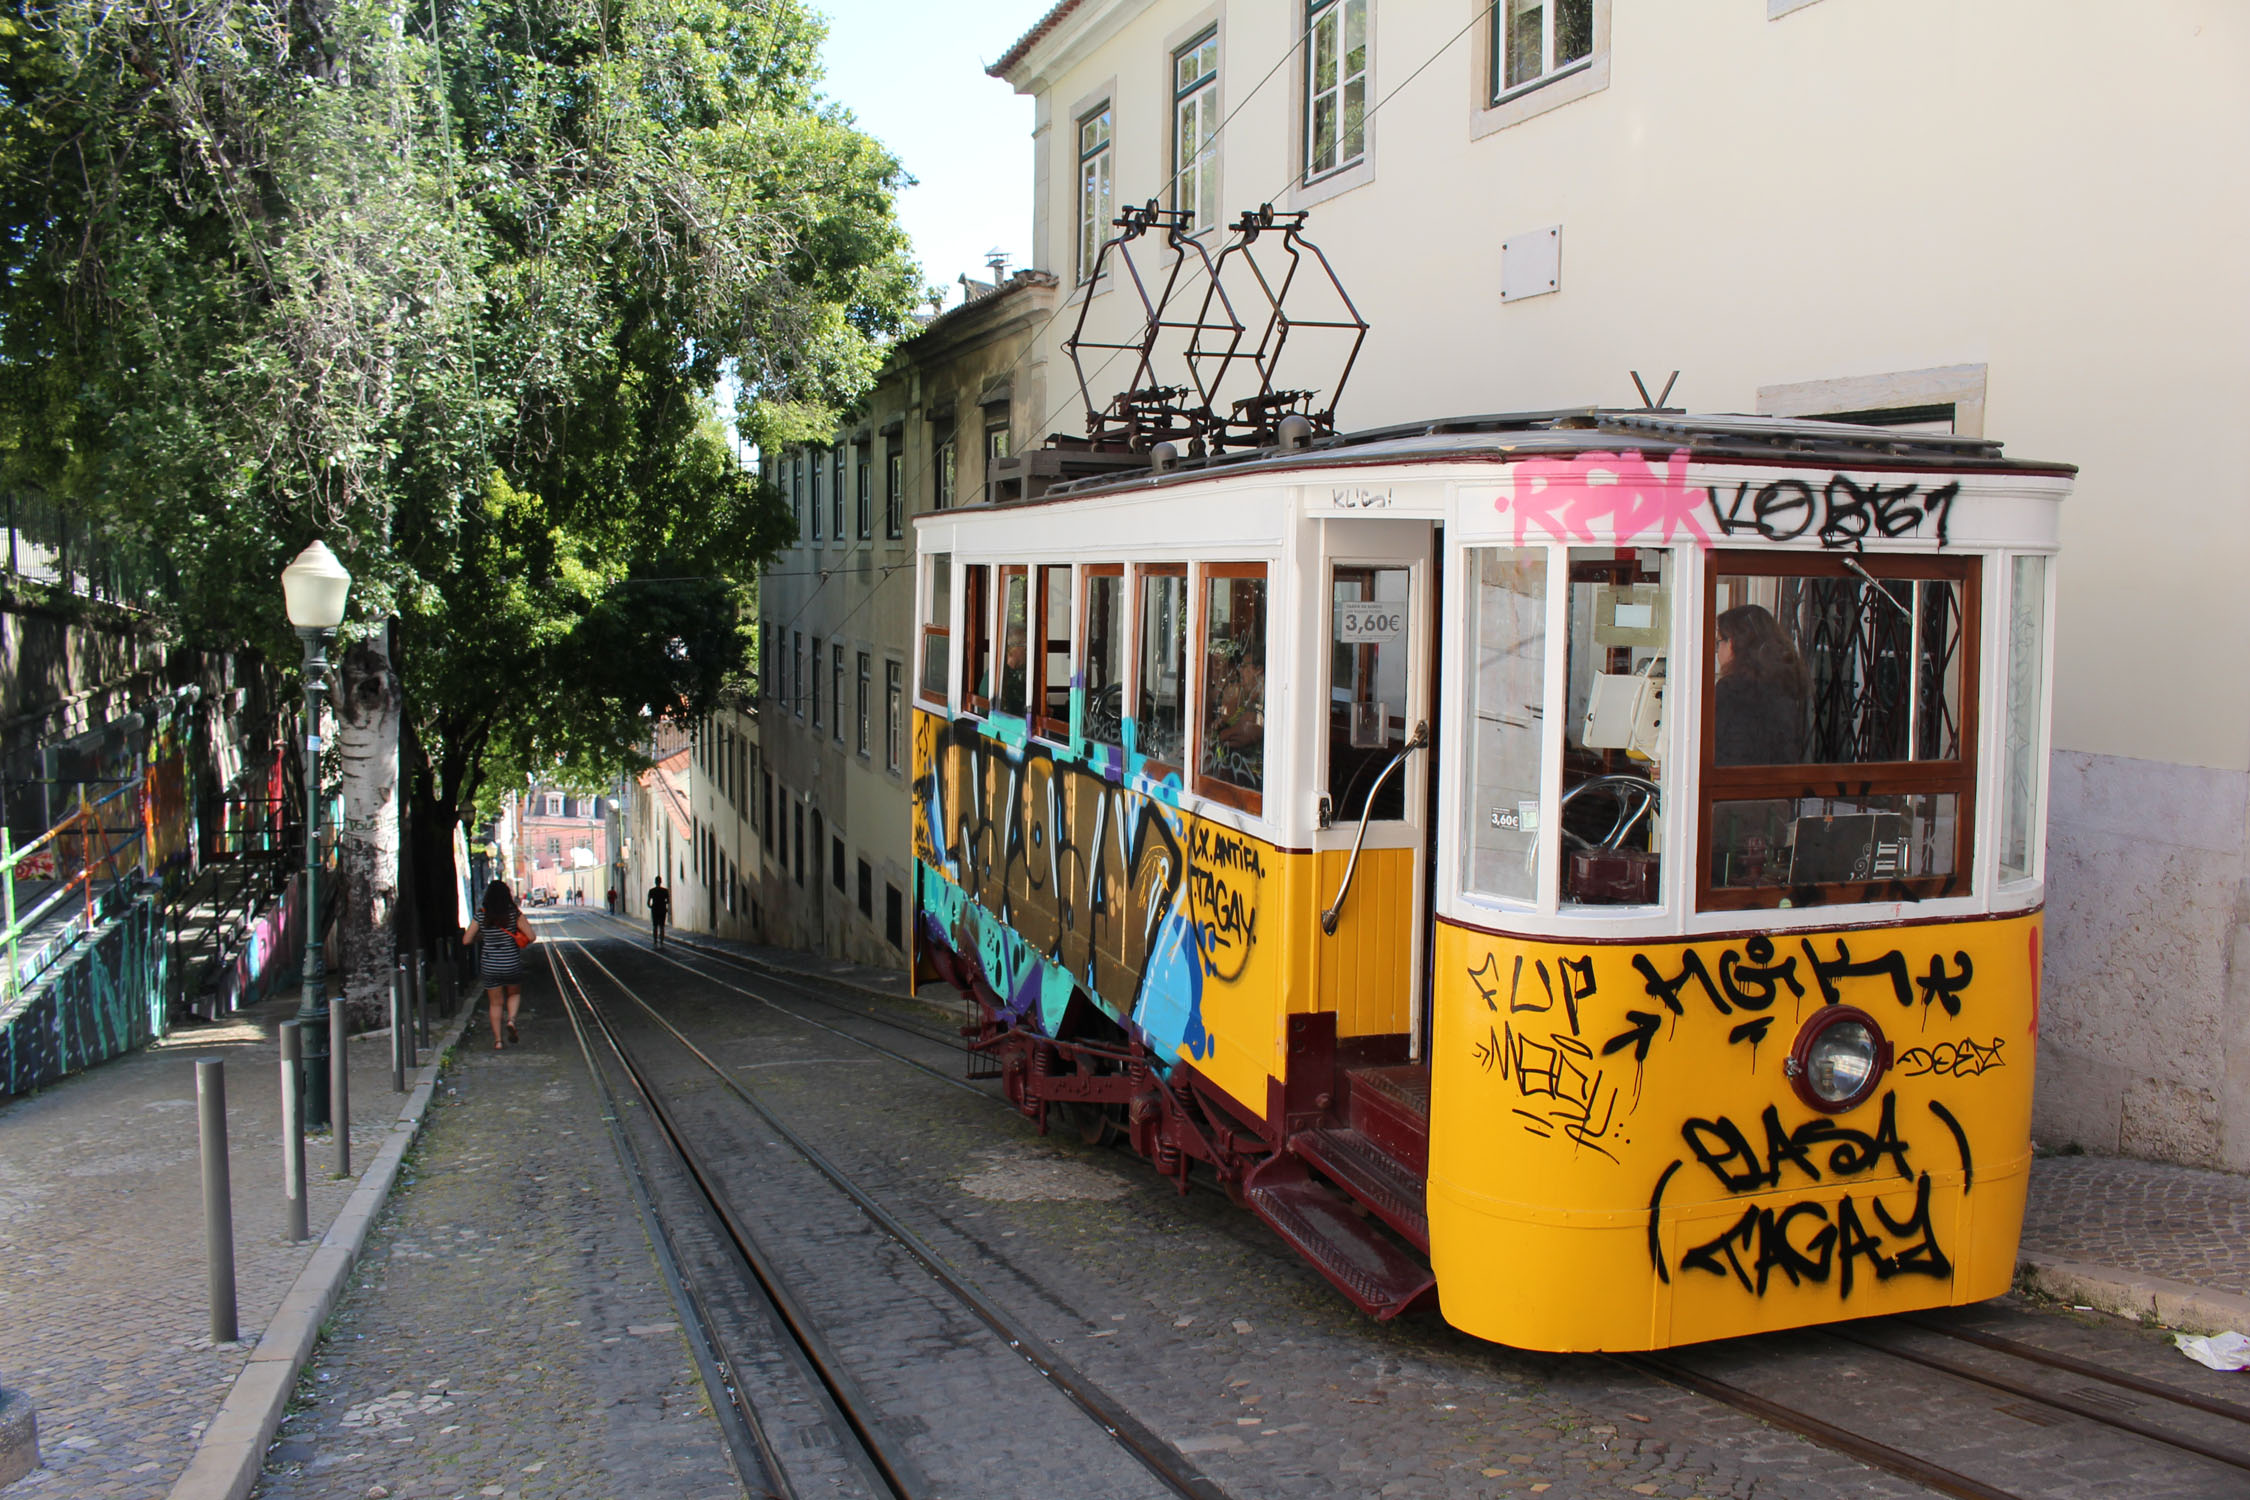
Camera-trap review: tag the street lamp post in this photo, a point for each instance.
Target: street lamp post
(314, 586)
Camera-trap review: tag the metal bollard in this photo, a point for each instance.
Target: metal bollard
(293, 1127)
(218, 1196)
(340, 1086)
(421, 1002)
(398, 1039)
(403, 978)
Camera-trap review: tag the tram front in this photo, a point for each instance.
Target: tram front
(1736, 959)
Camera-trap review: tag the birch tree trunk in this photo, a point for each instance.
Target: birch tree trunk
(367, 858)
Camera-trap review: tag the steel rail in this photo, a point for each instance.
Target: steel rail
(2060, 1401)
(896, 1471)
(2033, 1354)
(796, 979)
(1163, 1461)
(749, 1447)
(939, 1074)
(1877, 1455)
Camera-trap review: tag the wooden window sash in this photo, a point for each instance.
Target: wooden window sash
(1141, 573)
(1042, 723)
(976, 627)
(1085, 641)
(1958, 777)
(1241, 799)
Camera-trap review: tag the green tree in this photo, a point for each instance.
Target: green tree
(449, 285)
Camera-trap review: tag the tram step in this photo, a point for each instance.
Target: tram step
(1362, 1168)
(1365, 1264)
(1391, 1107)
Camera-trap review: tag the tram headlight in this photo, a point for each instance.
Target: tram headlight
(1839, 1058)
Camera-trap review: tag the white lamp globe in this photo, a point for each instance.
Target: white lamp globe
(315, 586)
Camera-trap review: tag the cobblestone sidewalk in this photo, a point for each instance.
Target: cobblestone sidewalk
(2176, 1222)
(104, 1317)
(507, 1332)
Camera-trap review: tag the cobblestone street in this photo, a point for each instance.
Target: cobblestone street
(507, 1332)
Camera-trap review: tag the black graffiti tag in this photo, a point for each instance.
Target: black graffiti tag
(1842, 514)
(1741, 1167)
(1759, 1243)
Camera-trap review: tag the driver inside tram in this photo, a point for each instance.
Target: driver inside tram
(1760, 691)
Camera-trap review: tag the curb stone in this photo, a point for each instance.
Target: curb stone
(19, 1437)
(232, 1451)
(2131, 1294)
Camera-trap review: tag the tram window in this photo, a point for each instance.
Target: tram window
(1231, 733)
(1507, 631)
(937, 683)
(2020, 772)
(1367, 687)
(1620, 624)
(1015, 643)
(1051, 696)
(1101, 670)
(1160, 718)
(976, 637)
(1838, 734)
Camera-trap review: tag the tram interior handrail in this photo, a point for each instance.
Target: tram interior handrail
(1351, 866)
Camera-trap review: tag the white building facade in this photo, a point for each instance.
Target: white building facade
(2006, 218)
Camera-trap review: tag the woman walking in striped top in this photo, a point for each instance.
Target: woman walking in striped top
(500, 934)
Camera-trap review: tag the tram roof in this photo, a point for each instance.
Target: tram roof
(1718, 438)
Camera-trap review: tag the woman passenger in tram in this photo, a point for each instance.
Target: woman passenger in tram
(1760, 694)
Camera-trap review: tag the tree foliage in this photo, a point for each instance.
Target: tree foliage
(448, 284)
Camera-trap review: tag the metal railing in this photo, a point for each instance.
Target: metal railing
(103, 843)
(47, 542)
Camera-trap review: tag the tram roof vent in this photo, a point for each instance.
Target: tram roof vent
(1230, 395)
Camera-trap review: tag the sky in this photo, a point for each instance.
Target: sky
(912, 74)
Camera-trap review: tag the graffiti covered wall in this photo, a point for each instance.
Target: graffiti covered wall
(1641, 1090)
(107, 999)
(1065, 876)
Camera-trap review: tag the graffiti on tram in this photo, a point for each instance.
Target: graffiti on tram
(1067, 875)
(1571, 1042)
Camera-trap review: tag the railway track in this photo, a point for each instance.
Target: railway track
(2159, 1437)
(888, 1457)
(2173, 1440)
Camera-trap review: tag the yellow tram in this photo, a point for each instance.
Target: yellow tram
(1585, 868)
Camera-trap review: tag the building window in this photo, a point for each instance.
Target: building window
(836, 688)
(797, 493)
(554, 807)
(894, 694)
(836, 863)
(1539, 39)
(816, 682)
(554, 849)
(813, 468)
(945, 474)
(836, 493)
(1195, 128)
(1094, 187)
(866, 891)
(894, 917)
(995, 449)
(866, 696)
(894, 494)
(1335, 86)
(800, 846)
(866, 498)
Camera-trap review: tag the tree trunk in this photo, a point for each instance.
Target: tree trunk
(367, 863)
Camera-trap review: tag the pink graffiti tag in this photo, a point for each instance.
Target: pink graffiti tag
(1568, 497)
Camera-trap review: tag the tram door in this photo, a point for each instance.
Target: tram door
(1378, 577)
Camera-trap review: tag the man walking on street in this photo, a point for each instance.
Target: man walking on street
(659, 909)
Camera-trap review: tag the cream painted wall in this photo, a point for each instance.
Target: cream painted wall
(2056, 190)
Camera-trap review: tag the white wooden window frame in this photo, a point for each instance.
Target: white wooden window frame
(1195, 107)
